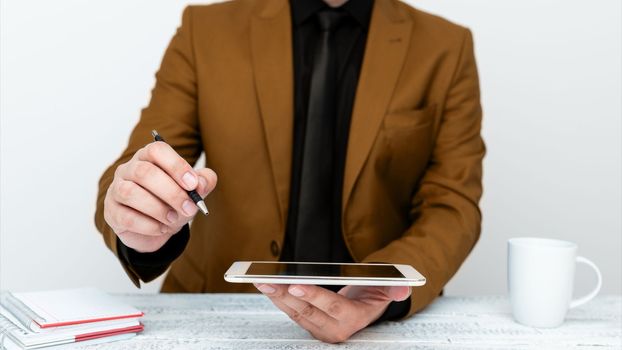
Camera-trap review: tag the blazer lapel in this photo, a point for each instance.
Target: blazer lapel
(271, 50)
(386, 47)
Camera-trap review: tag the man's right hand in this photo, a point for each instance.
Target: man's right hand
(147, 201)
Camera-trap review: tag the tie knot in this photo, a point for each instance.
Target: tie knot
(329, 19)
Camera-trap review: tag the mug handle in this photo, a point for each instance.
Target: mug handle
(580, 301)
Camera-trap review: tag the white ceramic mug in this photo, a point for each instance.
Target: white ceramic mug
(540, 280)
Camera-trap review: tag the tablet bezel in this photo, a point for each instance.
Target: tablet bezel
(237, 274)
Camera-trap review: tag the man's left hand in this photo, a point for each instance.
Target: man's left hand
(333, 317)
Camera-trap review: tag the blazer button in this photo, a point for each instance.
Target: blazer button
(274, 248)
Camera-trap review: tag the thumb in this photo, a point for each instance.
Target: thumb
(386, 293)
(398, 293)
(207, 181)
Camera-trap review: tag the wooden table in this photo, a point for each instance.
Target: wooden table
(249, 321)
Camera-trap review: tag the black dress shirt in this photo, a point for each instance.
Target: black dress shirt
(350, 38)
(349, 45)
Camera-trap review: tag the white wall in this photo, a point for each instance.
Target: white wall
(74, 75)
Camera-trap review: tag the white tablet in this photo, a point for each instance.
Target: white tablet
(324, 273)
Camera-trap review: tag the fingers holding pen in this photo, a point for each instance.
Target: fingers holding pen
(122, 218)
(134, 196)
(164, 156)
(153, 195)
(153, 179)
(207, 181)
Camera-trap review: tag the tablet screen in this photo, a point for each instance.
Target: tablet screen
(323, 270)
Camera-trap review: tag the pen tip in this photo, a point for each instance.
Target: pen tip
(203, 207)
(154, 133)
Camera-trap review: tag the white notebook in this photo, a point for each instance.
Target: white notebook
(9, 344)
(13, 335)
(47, 309)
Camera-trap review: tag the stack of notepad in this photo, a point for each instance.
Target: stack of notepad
(39, 319)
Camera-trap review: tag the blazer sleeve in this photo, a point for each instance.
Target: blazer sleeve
(446, 217)
(172, 110)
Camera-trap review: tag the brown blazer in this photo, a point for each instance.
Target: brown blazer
(414, 160)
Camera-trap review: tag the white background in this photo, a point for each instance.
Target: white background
(74, 75)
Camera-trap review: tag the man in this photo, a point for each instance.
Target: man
(340, 131)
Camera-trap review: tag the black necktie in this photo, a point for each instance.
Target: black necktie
(314, 223)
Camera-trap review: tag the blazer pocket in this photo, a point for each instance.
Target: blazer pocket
(410, 118)
(407, 141)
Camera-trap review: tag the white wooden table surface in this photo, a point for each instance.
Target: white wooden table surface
(250, 321)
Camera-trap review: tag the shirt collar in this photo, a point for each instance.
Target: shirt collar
(359, 9)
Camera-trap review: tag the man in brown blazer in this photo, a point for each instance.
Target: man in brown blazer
(339, 130)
